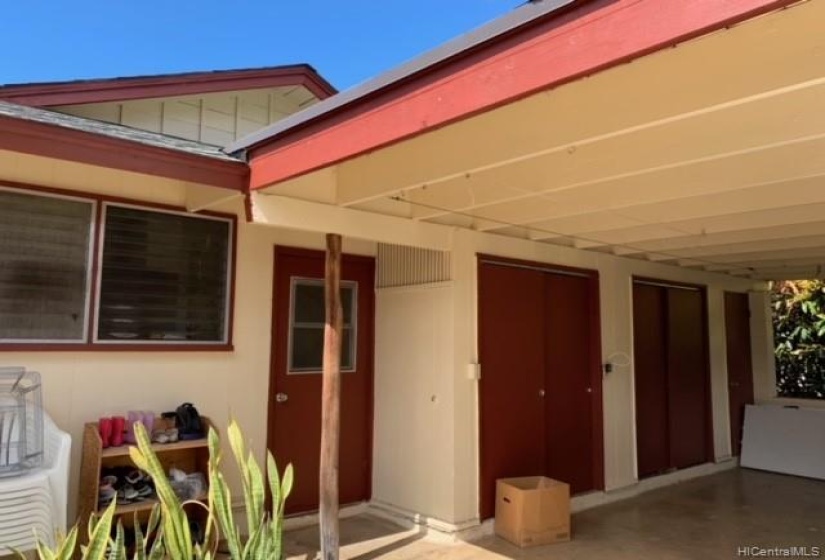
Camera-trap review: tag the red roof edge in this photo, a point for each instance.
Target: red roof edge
(144, 87)
(557, 48)
(57, 142)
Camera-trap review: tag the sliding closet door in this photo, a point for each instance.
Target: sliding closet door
(540, 387)
(687, 379)
(511, 393)
(673, 426)
(650, 352)
(570, 386)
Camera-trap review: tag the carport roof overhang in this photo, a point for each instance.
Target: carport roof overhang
(709, 155)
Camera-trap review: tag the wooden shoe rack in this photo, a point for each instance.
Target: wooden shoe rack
(189, 456)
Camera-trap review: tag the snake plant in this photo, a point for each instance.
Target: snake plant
(168, 525)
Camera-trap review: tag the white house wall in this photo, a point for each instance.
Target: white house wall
(426, 416)
(215, 118)
(80, 387)
(414, 469)
(426, 423)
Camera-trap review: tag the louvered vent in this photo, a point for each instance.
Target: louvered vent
(399, 265)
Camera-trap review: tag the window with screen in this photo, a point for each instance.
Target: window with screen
(45, 247)
(306, 325)
(164, 277)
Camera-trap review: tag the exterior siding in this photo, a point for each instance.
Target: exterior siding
(82, 386)
(426, 343)
(219, 118)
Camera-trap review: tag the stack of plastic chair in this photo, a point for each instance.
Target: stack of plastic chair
(33, 505)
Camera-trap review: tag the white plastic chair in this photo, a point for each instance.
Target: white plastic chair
(33, 506)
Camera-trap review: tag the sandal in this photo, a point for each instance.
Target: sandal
(166, 436)
(144, 490)
(134, 477)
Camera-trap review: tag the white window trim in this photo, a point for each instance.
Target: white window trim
(293, 282)
(89, 264)
(99, 278)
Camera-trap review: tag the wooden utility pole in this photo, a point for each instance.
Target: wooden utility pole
(331, 400)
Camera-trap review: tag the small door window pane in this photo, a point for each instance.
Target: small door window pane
(307, 321)
(309, 301)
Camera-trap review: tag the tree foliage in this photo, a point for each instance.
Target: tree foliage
(799, 335)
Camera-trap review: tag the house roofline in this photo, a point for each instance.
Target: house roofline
(529, 13)
(167, 85)
(559, 43)
(52, 141)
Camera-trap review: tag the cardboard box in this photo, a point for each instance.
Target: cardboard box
(533, 510)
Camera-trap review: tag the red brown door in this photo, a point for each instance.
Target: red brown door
(673, 425)
(511, 353)
(740, 371)
(540, 387)
(650, 359)
(572, 355)
(295, 379)
(688, 378)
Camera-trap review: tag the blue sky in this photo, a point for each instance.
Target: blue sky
(347, 41)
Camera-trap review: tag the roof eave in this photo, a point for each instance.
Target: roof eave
(491, 33)
(555, 49)
(125, 89)
(41, 139)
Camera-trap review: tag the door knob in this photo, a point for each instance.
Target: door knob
(281, 397)
(541, 393)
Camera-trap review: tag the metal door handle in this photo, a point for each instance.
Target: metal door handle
(541, 393)
(281, 397)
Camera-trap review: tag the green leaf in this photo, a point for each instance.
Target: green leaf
(117, 548)
(43, 552)
(99, 537)
(176, 532)
(220, 498)
(66, 550)
(140, 540)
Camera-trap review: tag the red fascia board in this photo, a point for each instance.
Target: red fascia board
(125, 89)
(552, 51)
(51, 141)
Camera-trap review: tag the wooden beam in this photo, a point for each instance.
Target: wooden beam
(561, 185)
(331, 401)
(739, 208)
(709, 240)
(643, 147)
(322, 218)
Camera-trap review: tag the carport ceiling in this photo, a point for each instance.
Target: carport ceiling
(707, 155)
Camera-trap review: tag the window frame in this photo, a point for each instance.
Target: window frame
(90, 262)
(293, 282)
(94, 339)
(90, 342)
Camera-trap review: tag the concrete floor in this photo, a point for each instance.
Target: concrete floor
(705, 518)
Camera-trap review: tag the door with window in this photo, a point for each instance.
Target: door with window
(295, 378)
